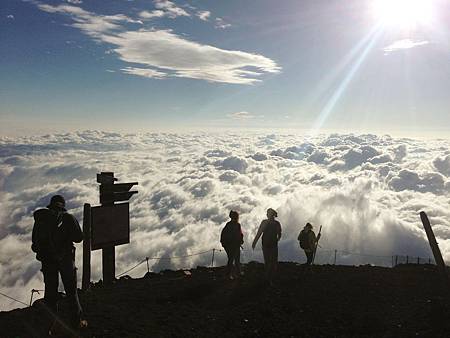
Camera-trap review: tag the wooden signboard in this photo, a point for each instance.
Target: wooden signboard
(110, 226)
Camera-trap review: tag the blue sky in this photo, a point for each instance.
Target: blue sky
(316, 65)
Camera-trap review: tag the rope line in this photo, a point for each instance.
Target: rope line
(16, 300)
(165, 258)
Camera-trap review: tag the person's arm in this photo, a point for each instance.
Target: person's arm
(76, 233)
(242, 234)
(279, 231)
(312, 239)
(258, 234)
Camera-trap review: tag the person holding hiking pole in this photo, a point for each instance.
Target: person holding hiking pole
(308, 242)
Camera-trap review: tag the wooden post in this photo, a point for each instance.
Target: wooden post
(86, 279)
(335, 254)
(396, 260)
(433, 244)
(108, 253)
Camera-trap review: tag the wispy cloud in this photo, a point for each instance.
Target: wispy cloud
(171, 10)
(220, 23)
(145, 72)
(242, 115)
(10, 16)
(150, 15)
(75, 2)
(204, 15)
(404, 44)
(162, 53)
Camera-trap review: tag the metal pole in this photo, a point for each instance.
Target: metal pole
(212, 259)
(335, 253)
(86, 279)
(396, 260)
(148, 268)
(433, 244)
(407, 259)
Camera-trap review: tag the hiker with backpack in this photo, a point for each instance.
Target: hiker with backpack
(54, 232)
(308, 242)
(231, 239)
(270, 229)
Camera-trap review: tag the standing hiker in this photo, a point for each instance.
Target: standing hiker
(270, 229)
(231, 239)
(54, 232)
(308, 242)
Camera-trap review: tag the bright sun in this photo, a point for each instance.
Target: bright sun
(404, 13)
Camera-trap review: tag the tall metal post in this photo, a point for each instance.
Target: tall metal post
(86, 279)
(433, 244)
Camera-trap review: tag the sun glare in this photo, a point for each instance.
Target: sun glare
(404, 13)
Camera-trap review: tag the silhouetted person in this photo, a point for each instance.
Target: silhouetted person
(308, 242)
(54, 232)
(231, 239)
(270, 229)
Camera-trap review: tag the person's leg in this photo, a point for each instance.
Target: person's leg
(69, 278)
(237, 260)
(309, 256)
(266, 255)
(229, 252)
(275, 260)
(50, 272)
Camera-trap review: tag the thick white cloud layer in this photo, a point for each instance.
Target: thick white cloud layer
(366, 191)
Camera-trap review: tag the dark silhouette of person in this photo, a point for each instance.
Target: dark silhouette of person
(54, 232)
(308, 242)
(270, 229)
(231, 239)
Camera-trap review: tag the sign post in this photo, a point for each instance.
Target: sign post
(110, 221)
(86, 279)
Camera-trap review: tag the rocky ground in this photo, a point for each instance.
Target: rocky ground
(322, 301)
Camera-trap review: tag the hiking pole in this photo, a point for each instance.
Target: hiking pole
(317, 244)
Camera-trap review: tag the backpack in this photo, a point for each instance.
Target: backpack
(303, 239)
(44, 232)
(231, 235)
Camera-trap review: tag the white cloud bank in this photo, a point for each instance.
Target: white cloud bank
(163, 53)
(366, 191)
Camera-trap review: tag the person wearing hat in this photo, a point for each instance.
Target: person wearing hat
(308, 242)
(54, 232)
(270, 229)
(231, 239)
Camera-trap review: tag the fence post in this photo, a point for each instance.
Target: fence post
(148, 268)
(86, 279)
(212, 259)
(335, 253)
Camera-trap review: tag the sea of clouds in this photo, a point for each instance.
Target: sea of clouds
(366, 191)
